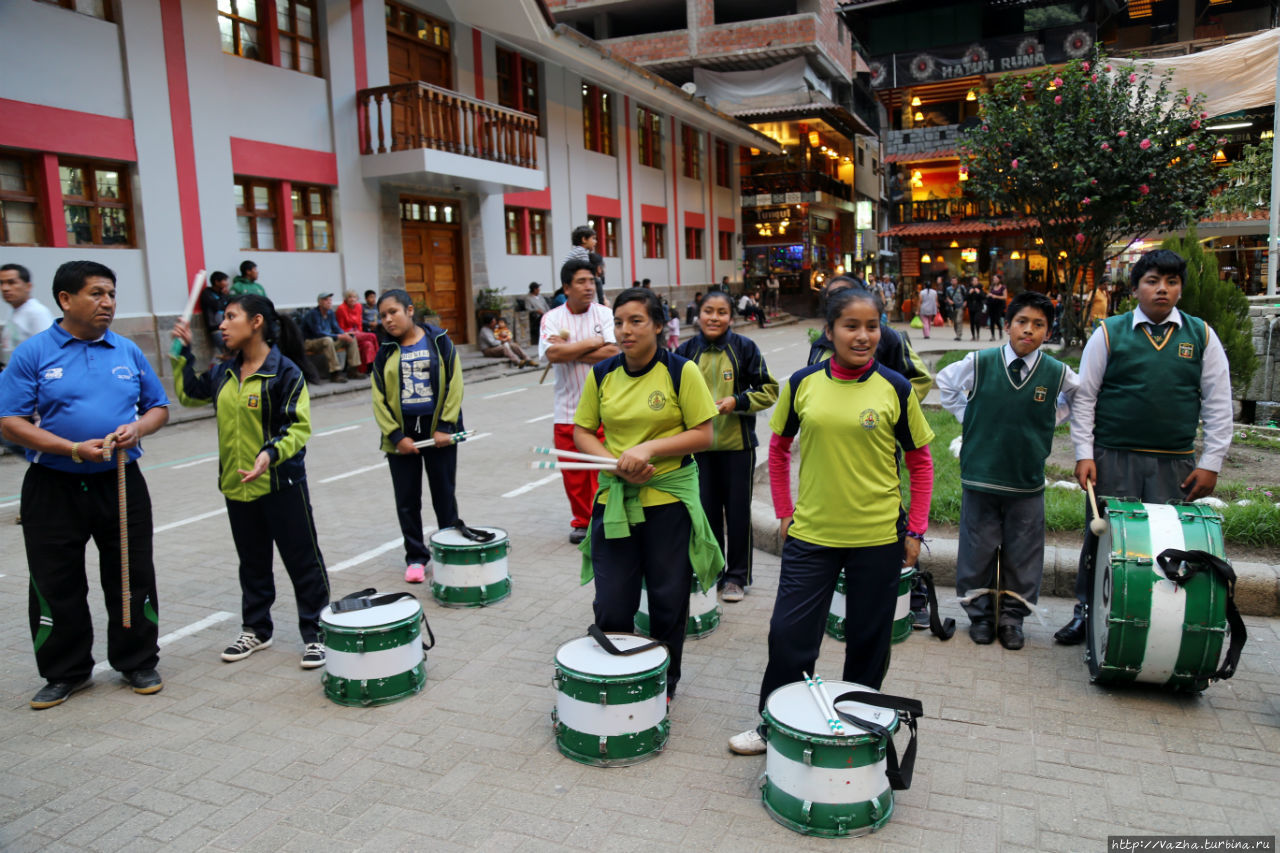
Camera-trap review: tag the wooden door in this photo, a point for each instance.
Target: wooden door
(411, 60)
(433, 272)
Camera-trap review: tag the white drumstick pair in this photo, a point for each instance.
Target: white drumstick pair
(581, 461)
(818, 691)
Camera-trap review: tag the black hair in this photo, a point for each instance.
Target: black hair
(652, 304)
(278, 330)
(533, 285)
(369, 293)
(1163, 261)
(843, 298)
(217, 276)
(837, 283)
(245, 266)
(572, 266)
(72, 275)
(717, 293)
(23, 272)
(1030, 299)
(401, 296)
(596, 261)
(582, 233)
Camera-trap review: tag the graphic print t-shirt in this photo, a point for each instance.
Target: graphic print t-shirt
(416, 397)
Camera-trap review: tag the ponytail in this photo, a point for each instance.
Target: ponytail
(277, 330)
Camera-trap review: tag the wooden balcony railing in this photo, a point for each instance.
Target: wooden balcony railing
(418, 115)
(947, 210)
(801, 182)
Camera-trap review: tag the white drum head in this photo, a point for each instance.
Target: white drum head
(585, 655)
(372, 617)
(1100, 602)
(451, 538)
(794, 707)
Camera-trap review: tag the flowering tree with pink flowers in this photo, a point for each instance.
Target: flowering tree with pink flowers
(1099, 153)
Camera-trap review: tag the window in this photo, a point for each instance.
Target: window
(238, 22)
(296, 20)
(649, 126)
(723, 165)
(691, 141)
(607, 230)
(655, 239)
(312, 219)
(526, 231)
(693, 243)
(96, 8)
(597, 119)
(726, 245)
(438, 212)
(256, 213)
(518, 82)
(95, 203)
(20, 220)
(414, 24)
(862, 156)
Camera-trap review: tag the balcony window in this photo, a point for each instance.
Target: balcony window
(608, 231)
(691, 142)
(256, 213)
(518, 82)
(312, 219)
(21, 223)
(693, 243)
(296, 21)
(649, 128)
(723, 164)
(95, 203)
(654, 235)
(597, 119)
(726, 245)
(526, 230)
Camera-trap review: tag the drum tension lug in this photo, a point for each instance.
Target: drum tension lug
(604, 745)
(360, 642)
(842, 827)
(808, 756)
(875, 808)
(805, 809)
(604, 697)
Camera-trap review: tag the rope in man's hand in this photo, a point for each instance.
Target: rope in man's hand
(126, 594)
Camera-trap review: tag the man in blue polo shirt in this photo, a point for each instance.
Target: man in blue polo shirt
(85, 382)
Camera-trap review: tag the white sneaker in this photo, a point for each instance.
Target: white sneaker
(246, 644)
(313, 656)
(747, 743)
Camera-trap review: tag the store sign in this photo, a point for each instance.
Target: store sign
(863, 212)
(910, 258)
(988, 56)
(774, 214)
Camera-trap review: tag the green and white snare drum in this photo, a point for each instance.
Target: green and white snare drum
(466, 573)
(820, 783)
(1143, 627)
(835, 613)
(611, 710)
(704, 613)
(902, 618)
(373, 656)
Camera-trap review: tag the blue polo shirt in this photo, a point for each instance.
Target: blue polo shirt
(80, 389)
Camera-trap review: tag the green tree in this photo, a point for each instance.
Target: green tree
(1096, 154)
(1220, 304)
(1246, 181)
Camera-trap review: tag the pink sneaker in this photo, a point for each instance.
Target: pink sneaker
(415, 573)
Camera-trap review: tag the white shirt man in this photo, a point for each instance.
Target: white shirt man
(29, 316)
(575, 336)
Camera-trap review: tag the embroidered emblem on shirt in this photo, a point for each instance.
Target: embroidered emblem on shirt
(728, 376)
(657, 400)
(1041, 393)
(121, 371)
(869, 418)
(253, 401)
(53, 373)
(1186, 350)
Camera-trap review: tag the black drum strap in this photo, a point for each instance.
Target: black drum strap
(908, 710)
(472, 533)
(366, 598)
(940, 628)
(1182, 566)
(607, 644)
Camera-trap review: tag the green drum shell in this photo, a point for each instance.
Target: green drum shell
(835, 622)
(375, 691)
(377, 638)
(902, 626)
(471, 554)
(611, 689)
(612, 750)
(1131, 565)
(699, 625)
(471, 596)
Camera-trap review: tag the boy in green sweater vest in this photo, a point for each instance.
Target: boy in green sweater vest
(1148, 377)
(1009, 400)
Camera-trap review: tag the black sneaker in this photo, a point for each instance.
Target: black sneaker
(144, 681)
(577, 534)
(246, 644)
(920, 620)
(57, 692)
(313, 656)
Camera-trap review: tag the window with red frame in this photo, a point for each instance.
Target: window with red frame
(723, 165)
(95, 203)
(256, 213)
(293, 43)
(526, 230)
(608, 231)
(649, 132)
(654, 236)
(597, 119)
(518, 82)
(693, 243)
(691, 142)
(21, 222)
(296, 22)
(726, 245)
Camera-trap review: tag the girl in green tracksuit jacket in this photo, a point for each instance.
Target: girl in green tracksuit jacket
(264, 421)
(417, 395)
(741, 384)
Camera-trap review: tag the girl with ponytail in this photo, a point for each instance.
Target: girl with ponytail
(264, 421)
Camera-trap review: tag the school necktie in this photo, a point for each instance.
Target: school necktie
(1015, 369)
(1158, 331)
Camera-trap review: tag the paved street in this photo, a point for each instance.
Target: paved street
(1018, 751)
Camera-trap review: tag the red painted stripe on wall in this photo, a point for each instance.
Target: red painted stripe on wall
(598, 205)
(357, 44)
(66, 131)
(631, 205)
(693, 219)
(540, 199)
(184, 150)
(55, 227)
(283, 162)
(653, 213)
(477, 60)
(726, 223)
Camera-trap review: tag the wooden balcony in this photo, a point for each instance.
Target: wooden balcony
(414, 116)
(947, 210)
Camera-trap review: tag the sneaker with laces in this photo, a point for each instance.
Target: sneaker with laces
(732, 592)
(747, 743)
(246, 644)
(313, 656)
(415, 573)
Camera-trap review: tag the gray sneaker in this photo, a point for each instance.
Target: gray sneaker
(732, 592)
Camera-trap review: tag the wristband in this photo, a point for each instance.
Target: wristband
(75, 452)
(913, 535)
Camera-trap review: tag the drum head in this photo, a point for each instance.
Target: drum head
(585, 655)
(1099, 610)
(450, 537)
(371, 617)
(793, 706)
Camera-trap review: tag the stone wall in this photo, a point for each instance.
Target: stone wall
(1264, 388)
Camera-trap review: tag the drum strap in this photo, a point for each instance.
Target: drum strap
(940, 628)
(1182, 566)
(908, 710)
(472, 533)
(366, 598)
(607, 644)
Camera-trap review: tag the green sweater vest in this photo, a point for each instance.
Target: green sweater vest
(1149, 401)
(1008, 429)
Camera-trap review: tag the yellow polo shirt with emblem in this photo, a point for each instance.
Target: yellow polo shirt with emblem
(641, 406)
(850, 495)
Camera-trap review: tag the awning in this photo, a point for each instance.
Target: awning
(1233, 77)
(946, 229)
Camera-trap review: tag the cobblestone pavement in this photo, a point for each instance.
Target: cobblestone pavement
(1018, 750)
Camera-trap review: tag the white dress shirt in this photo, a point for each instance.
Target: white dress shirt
(571, 376)
(1216, 410)
(955, 383)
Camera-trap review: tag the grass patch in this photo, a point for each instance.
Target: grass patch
(951, 356)
(1264, 440)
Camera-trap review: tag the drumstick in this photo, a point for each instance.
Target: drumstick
(831, 707)
(1099, 525)
(573, 454)
(574, 466)
(832, 722)
(457, 437)
(197, 285)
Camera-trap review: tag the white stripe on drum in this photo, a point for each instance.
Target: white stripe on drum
(1168, 600)
(592, 718)
(844, 785)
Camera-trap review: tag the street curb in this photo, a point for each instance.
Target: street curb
(1257, 584)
